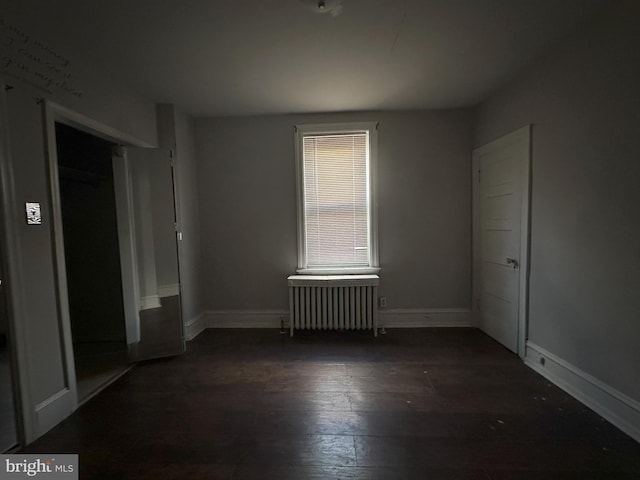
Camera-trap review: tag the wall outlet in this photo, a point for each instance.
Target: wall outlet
(382, 302)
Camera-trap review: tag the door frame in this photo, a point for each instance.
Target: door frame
(18, 339)
(54, 113)
(522, 137)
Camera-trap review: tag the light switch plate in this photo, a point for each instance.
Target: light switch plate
(34, 217)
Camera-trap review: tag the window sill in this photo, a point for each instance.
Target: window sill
(339, 271)
(333, 280)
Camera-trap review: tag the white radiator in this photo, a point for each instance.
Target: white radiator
(333, 302)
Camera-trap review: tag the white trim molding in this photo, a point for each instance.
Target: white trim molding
(168, 290)
(429, 317)
(53, 410)
(245, 318)
(151, 301)
(389, 318)
(194, 327)
(93, 127)
(613, 405)
(371, 130)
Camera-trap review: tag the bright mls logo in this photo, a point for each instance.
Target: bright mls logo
(54, 467)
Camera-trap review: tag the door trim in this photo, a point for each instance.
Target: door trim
(93, 127)
(13, 277)
(52, 114)
(64, 319)
(522, 136)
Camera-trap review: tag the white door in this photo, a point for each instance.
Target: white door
(154, 327)
(500, 245)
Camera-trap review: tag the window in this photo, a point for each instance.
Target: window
(336, 202)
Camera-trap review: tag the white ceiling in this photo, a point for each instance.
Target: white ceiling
(236, 57)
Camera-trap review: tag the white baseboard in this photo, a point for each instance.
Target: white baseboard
(194, 327)
(430, 317)
(396, 318)
(245, 318)
(168, 290)
(53, 410)
(618, 408)
(152, 301)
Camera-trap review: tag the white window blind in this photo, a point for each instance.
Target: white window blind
(336, 199)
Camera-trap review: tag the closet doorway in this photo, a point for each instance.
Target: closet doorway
(92, 258)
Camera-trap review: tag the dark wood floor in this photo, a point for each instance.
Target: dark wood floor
(420, 404)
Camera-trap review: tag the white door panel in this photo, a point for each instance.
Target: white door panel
(500, 237)
(152, 216)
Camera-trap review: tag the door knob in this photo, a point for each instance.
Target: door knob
(512, 261)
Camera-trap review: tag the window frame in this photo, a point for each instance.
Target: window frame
(371, 128)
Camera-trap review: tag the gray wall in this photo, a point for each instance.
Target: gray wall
(584, 102)
(248, 208)
(37, 291)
